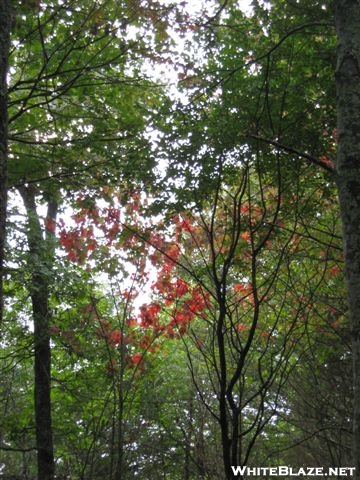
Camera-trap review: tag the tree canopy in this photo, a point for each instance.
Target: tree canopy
(174, 285)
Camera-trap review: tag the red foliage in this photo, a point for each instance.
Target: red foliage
(240, 327)
(115, 338)
(131, 322)
(243, 288)
(183, 224)
(172, 254)
(145, 342)
(78, 243)
(326, 161)
(244, 291)
(137, 358)
(50, 225)
(335, 270)
(244, 209)
(177, 303)
(149, 315)
(181, 288)
(134, 360)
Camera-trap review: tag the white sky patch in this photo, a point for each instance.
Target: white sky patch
(168, 73)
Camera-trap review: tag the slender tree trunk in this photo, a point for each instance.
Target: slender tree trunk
(5, 26)
(41, 260)
(223, 411)
(188, 438)
(347, 18)
(119, 475)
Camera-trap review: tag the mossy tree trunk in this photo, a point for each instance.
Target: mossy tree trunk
(5, 27)
(41, 252)
(347, 18)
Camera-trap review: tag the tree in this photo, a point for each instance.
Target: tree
(250, 263)
(5, 27)
(41, 253)
(348, 178)
(261, 309)
(68, 116)
(242, 107)
(225, 256)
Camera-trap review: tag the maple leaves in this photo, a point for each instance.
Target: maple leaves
(149, 315)
(155, 256)
(239, 302)
(244, 291)
(78, 244)
(154, 321)
(183, 301)
(174, 301)
(82, 240)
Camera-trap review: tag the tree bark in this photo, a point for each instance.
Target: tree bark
(40, 263)
(5, 27)
(347, 19)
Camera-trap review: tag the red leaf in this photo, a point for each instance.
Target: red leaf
(335, 270)
(149, 314)
(137, 358)
(240, 327)
(115, 337)
(50, 224)
(181, 288)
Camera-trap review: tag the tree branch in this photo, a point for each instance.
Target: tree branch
(313, 160)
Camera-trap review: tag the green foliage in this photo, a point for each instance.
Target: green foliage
(194, 292)
(77, 101)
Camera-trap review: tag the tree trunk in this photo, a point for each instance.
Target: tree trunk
(223, 408)
(5, 26)
(41, 260)
(347, 19)
(120, 416)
